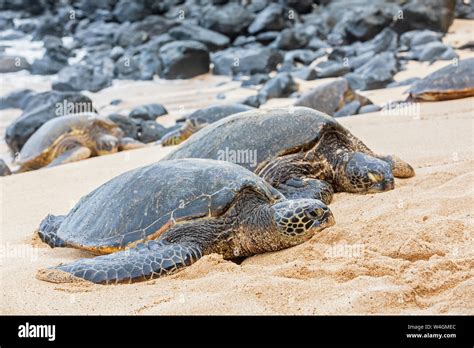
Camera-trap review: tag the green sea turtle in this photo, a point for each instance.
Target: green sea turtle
(298, 150)
(454, 81)
(72, 138)
(201, 118)
(152, 221)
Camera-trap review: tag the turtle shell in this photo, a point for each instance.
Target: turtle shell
(143, 203)
(450, 82)
(214, 113)
(260, 134)
(47, 134)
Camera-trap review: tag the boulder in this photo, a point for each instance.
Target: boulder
(9, 64)
(151, 131)
(148, 112)
(231, 19)
(213, 40)
(246, 61)
(16, 99)
(437, 15)
(330, 97)
(87, 77)
(184, 59)
(272, 17)
(280, 86)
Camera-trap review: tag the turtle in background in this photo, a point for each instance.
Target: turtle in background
(199, 119)
(72, 138)
(454, 81)
(302, 152)
(152, 222)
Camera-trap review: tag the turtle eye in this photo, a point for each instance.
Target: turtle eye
(314, 213)
(375, 177)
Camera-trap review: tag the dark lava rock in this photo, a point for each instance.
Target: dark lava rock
(215, 113)
(256, 79)
(282, 85)
(148, 112)
(140, 63)
(350, 108)
(137, 33)
(291, 39)
(272, 17)
(432, 51)
(16, 99)
(184, 59)
(49, 25)
(151, 131)
(247, 61)
(11, 34)
(464, 9)
(244, 40)
(131, 11)
(330, 97)
(129, 126)
(81, 77)
(254, 100)
(303, 56)
(4, 170)
(331, 68)
(10, 64)
(231, 19)
(306, 73)
(266, 37)
(435, 15)
(96, 33)
(369, 108)
(39, 109)
(355, 81)
(301, 6)
(419, 37)
(379, 71)
(316, 43)
(55, 58)
(368, 23)
(213, 40)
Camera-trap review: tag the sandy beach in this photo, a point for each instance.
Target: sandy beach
(406, 251)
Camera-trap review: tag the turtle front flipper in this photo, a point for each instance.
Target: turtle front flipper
(400, 168)
(48, 229)
(145, 261)
(296, 188)
(130, 144)
(74, 154)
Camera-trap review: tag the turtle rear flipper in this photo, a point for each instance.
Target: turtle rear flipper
(145, 261)
(48, 229)
(74, 154)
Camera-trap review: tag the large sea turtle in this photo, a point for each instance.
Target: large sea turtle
(294, 149)
(154, 221)
(72, 138)
(451, 82)
(201, 118)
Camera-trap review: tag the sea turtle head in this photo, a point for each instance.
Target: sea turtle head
(366, 174)
(301, 218)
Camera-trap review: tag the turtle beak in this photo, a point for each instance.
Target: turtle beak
(327, 220)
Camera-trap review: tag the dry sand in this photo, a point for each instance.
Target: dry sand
(407, 251)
